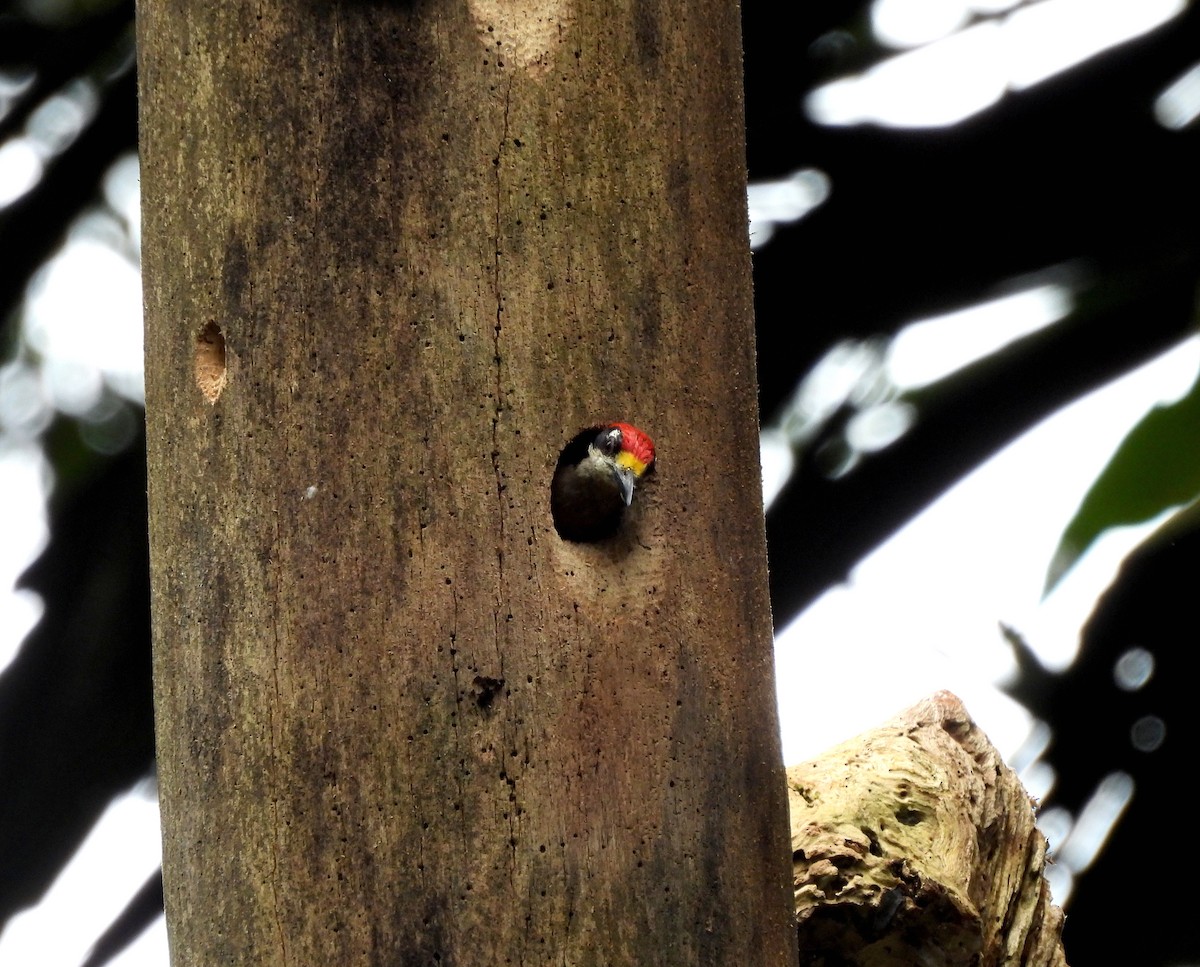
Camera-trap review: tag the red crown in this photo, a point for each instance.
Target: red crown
(636, 442)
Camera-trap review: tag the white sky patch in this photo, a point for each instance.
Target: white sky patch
(55, 123)
(51, 128)
(911, 23)
(773, 203)
(118, 856)
(1053, 627)
(20, 169)
(1044, 39)
(84, 311)
(936, 85)
(122, 193)
(931, 349)
(81, 330)
(149, 950)
(988, 6)
(905, 23)
(19, 612)
(1179, 103)
(963, 73)
(24, 482)
(1095, 822)
(922, 611)
(777, 460)
(15, 83)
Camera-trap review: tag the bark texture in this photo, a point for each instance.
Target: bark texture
(396, 255)
(915, 844)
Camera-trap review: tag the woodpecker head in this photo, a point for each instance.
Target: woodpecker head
(595, 478)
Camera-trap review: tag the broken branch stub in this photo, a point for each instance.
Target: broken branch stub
(915, 844)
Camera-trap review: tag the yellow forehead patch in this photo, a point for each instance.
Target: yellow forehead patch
(630, 462)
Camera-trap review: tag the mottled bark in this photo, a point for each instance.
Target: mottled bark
(396, 255)
(915, 844)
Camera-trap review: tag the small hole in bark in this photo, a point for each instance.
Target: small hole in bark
(210, 361)
(486, 690)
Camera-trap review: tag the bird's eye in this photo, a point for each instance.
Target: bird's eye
(609, 442)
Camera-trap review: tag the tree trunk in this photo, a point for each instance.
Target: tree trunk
(396, 255)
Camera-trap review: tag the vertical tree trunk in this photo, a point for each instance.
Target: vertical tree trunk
(396, 254)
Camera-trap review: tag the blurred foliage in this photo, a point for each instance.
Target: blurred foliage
(1156, 468)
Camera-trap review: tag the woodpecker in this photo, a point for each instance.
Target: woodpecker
(594, 480)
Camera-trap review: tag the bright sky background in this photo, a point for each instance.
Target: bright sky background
(984, 547)
(983, 551)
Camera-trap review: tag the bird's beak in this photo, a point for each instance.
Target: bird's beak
(624, 483)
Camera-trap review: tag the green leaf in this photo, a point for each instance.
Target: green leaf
(1156, 467)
